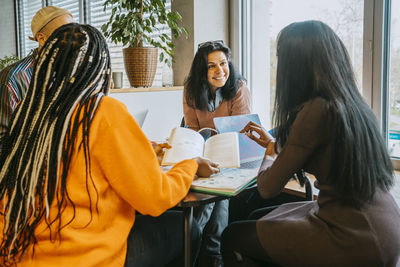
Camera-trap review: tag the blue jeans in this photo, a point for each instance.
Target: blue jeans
(212, 219)
(158, 241)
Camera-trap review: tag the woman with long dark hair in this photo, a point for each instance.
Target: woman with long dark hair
(75, 168)
(213, 89)
(324, 127)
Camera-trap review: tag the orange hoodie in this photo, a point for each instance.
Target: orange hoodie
(127, 177)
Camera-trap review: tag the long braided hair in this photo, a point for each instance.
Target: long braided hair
(71, 75)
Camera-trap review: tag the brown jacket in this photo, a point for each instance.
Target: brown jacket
(323, 232)
(197, 119)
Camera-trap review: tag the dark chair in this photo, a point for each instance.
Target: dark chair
(304, 180)
(249, 200)
(183, 122)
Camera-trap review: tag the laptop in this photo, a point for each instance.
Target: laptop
(140, 116)
(251, 153)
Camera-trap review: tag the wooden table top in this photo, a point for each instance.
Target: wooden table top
(194, 199)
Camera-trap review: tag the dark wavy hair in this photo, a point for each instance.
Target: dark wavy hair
(313, 62)
(71, 74)
(197, 89)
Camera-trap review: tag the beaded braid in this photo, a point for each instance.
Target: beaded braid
(70, 77)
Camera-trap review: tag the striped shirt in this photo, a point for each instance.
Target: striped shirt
(14, 82)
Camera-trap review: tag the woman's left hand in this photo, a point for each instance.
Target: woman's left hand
(263, 138)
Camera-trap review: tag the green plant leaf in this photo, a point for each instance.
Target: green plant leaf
(133, 26)
(8, 60)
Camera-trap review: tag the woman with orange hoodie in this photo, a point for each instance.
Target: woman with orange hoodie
(76, 167)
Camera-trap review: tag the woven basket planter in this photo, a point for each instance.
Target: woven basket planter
(140, 65)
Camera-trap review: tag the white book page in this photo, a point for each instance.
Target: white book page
(185, 143)
(223, 149)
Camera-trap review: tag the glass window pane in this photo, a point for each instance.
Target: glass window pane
(394, 81)
(71, 5)
(345, 17)
(98, 17)
(27, 9)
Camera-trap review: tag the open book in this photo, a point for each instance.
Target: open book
(186, 144)
(227, 183)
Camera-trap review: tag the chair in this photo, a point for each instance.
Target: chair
(304, 180)
(249, 200)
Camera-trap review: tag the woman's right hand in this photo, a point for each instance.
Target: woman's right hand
(206, 167)
(263, 138)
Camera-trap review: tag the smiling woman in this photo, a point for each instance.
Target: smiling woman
(213, 89)
(218, 70)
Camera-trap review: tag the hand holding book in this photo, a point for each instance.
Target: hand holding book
(263, 138)
(206, 167)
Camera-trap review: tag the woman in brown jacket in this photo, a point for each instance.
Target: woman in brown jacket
(325, 128)
(213, 88)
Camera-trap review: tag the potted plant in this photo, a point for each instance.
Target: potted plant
(134, 24)
(8, 60)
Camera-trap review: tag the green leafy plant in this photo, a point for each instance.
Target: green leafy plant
(8, 60)
(134, 23)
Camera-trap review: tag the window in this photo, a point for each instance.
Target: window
(97, 17)
(83, 11)
(370, 31)
(394, 81)
(71, 5)
(26, 11)
(345, 17)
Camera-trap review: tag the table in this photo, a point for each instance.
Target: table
(191, 200)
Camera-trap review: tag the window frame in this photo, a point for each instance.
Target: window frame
(376, 63)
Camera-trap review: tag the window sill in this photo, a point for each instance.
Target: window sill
(146, 89)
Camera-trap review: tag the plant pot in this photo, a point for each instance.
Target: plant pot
(140, 65)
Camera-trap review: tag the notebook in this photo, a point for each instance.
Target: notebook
(140, 116)
(251, 153)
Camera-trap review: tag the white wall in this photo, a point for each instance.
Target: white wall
(206, 20)
(7, 29)
(165, 110)
(211, 21)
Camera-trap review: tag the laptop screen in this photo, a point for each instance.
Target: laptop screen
(140, 116)
(249, 150)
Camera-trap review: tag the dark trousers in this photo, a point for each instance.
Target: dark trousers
(158, 241)
(240, 243)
